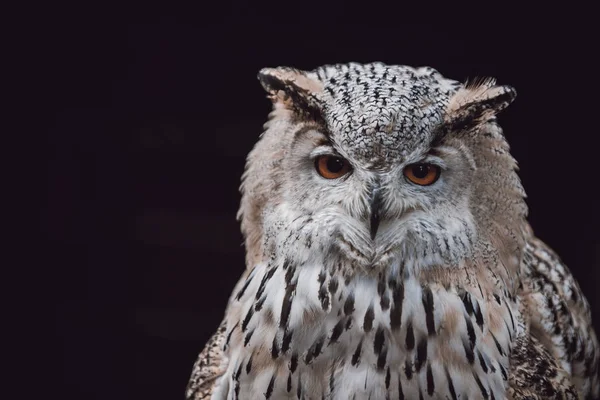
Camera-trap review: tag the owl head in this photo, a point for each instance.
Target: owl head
(370, 166)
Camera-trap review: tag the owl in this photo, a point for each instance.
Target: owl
(388, 254)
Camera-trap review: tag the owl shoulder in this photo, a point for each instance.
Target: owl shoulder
(559, 316)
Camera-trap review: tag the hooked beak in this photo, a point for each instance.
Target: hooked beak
(375, 202)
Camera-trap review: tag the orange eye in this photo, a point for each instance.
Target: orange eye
(331, 167)
(422, 174)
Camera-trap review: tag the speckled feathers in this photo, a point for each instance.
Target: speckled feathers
(451, 298)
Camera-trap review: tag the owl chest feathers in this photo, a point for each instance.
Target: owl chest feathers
(302, 331)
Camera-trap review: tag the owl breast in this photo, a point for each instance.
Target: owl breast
(301, 331)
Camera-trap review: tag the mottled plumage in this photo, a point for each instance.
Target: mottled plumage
(369, 286)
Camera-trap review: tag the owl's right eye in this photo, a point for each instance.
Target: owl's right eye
(332, 167)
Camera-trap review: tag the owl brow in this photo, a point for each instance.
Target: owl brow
(312, 127)
(434, 151)
(438, 134)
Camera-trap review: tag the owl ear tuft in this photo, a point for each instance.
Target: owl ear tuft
(293, 88)
(477, 102)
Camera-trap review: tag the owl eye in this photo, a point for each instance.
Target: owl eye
(422, 174)
(331, 167)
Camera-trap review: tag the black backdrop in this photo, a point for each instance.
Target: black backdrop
(152, 111)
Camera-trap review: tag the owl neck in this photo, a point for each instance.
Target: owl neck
(306, 312)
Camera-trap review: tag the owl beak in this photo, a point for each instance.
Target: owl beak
(375, 202)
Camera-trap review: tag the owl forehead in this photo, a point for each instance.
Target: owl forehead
(378, 113)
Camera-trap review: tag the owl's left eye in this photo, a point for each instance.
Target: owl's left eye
(332, 167)
(422, 174)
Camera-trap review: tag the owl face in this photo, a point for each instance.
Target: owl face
(408, 208)
(371, 166)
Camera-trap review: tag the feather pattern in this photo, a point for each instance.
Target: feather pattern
(449, 296)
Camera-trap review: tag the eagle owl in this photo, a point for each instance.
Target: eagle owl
(388, 253)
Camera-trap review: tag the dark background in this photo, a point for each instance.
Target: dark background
(152, 110)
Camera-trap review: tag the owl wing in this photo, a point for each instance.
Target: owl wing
(210, 365)
(535, 374)
(560, 320)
